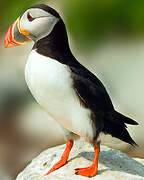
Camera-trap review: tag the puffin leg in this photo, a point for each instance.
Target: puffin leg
(91, 170)
(64, 157)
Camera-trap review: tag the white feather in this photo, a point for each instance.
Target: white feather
(51, 84)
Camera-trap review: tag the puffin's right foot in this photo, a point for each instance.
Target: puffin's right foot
(63, 159)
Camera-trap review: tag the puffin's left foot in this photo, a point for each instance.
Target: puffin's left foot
(91, 170)
(63, 159)
(87, 172)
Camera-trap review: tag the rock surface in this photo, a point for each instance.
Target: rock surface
(113, 164)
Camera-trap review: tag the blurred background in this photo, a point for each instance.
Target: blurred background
(107, 36)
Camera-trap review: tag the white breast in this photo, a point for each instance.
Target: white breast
(51, 84)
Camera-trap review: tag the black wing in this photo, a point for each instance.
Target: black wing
(93, 95)
(90, 90)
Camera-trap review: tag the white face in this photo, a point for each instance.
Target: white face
(38, 23)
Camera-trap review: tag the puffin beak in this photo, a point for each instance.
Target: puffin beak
(16, 36)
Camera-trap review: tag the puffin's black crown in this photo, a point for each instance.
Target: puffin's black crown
(47, 9)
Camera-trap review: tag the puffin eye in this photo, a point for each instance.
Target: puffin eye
(29, 17)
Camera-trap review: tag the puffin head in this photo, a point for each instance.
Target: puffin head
(35, 23)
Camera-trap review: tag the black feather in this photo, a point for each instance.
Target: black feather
(126, 120)
(118, 131)
(113, 123)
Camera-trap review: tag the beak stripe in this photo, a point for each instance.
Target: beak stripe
(11, 37)
(22, 31)
(16, 36)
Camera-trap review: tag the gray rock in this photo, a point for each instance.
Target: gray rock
(113, 164)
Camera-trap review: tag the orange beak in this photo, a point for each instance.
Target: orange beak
(16, 36)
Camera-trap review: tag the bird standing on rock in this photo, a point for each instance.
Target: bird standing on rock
(67, 91)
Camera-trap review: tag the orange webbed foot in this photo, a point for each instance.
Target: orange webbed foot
(63, 159)
(59, 164)
(88, 171)
(91, 170)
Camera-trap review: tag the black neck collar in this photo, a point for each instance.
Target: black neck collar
(56, 45)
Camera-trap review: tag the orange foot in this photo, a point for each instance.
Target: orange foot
(87, 172)
(63, 159)
(91, 170)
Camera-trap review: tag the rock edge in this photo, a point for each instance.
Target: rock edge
(113, 164)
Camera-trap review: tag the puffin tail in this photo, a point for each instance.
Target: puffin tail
(125, 119)
(115, 124)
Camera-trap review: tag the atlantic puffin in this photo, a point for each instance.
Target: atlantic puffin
(68, 92)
